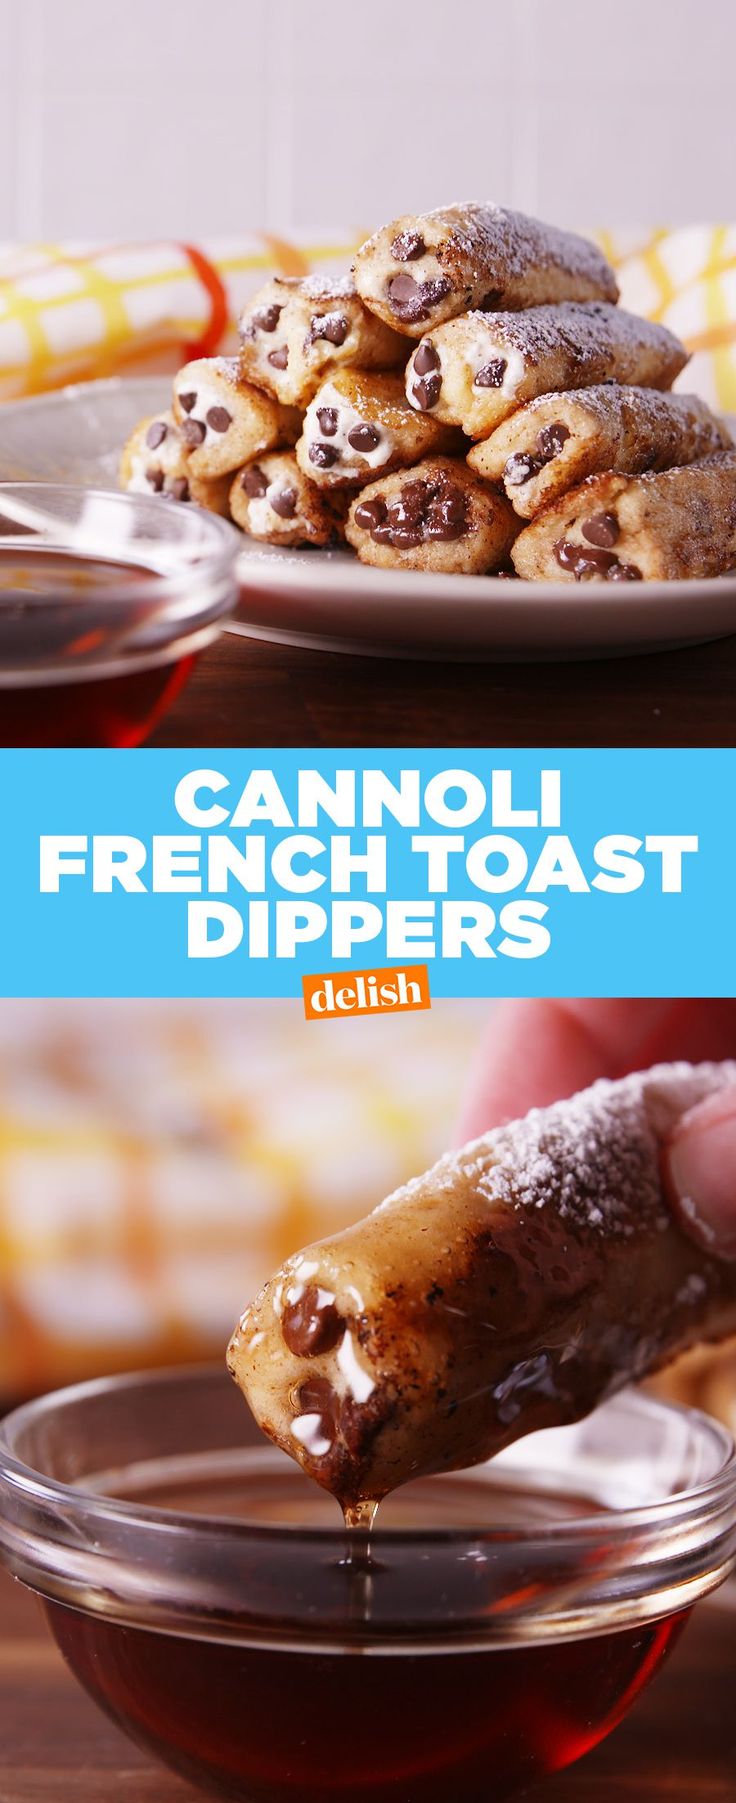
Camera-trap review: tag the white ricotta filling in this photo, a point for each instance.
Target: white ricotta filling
(347, 420)
(481, 351)
(166, 457)
(309, 1431)
(357, 1381)
(207, 396)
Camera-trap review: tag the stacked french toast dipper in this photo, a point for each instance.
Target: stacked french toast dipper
(471, 399)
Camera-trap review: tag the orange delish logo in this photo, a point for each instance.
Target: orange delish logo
(366, 992)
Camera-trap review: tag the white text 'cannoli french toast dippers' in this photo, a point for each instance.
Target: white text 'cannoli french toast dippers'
(273, 500)
(521, 1281)
(155, 461)
(437, 517)
(659, 527)
(224, 419)
(360, 426)
(554, 442)
(475, 371)
(429, 267)
(297, 327)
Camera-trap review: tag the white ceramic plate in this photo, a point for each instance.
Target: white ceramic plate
(327, 599)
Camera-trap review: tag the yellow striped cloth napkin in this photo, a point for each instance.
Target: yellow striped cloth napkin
(70, 312)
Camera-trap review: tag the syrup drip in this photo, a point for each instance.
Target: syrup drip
(360, 1565)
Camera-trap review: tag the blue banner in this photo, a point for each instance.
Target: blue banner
(236, 873)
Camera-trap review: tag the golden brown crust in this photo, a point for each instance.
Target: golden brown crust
(511, 1288)
(484, 366)
(225, 420)
(436, 516)
(425, 268)
(295, 329)
(154, 461)
(360, 426)
(664, 527)
(272, 500)
(556, 441)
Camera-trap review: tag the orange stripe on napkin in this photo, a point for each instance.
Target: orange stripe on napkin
(216, 291)
(289, 259)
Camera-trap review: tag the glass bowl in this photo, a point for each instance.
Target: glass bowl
(501, 1622)
(105, 602)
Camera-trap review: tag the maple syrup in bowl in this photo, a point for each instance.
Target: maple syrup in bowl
(106, 601)
(497, 1624)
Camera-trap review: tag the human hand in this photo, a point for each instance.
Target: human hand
(536, 1052)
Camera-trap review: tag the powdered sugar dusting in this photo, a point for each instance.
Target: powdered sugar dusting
(320, 287)
(583, 329)
(649, 411)
(595, 1157)
(489, 235)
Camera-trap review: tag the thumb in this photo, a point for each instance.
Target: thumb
(700, 1166)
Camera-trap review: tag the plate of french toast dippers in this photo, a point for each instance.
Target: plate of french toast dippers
(470, 400)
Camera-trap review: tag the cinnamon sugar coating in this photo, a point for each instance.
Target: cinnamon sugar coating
(486, 365)
(272, 500)
(426, 268)
(224, 419)
(557, 440)
(360, 425)
(668, 526)
(296, 328)
(436, 516)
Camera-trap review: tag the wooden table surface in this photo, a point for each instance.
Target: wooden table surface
(678, 1746)
(247, 692)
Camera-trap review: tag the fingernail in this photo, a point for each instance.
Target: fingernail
(700, 1164)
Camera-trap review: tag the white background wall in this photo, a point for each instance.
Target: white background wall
(198, 117)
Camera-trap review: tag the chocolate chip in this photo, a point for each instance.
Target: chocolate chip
(624, 572)
(405, 537)
(491, 301)
(522, 465)
(492, 374)
(332, 326)
(254, 482)
(364, 437)
(519, 468)
(370, 513)
(408, 245)
(156, 434)
(180, 489)
(323, 456)
(584, 564)
(446, 517)
(266, 319)
(188, 401)
(310, 1326)
(156, 479)
(408, 506)
(317, 1397)
(327, 417)
(279, 359)
(426, 358)
(193, 432)
(601, 529)
(424, 509)
(436, 290)
(551, 439)
(412, 301)
(219, 419)
(426, 393)
(284, 502)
